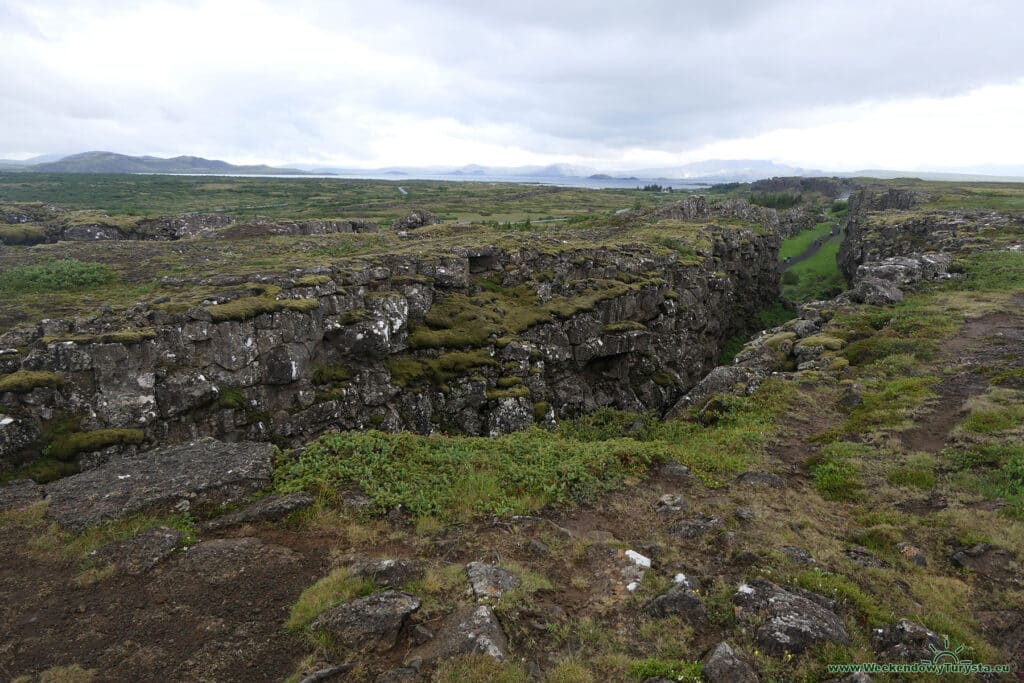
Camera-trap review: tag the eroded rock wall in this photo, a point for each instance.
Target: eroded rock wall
(642, 328)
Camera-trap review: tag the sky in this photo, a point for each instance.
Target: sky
(821, 84)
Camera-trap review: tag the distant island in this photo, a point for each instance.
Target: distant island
(110, 162)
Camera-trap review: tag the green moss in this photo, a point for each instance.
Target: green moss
(514, 392)
(540, 410)
(120, 337)
(312, 280)
(68, 446)
(407, 371)
(231, 398)
(507, 382)
(330, 591)
(829, 342)
(624, 326)
(26, 380)
(664, 379)
(264, 301)
(330, 374)
(776, 340)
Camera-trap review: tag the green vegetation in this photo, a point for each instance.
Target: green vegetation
(624, 326)
(23, 381)
(674, 671)
(460, 320)
(817, 277)
(479, 669)
(330, 591)
(67, 274)
(802, 241)
(455, 478)
(264, 301)
(67, 446)
(836, 474)
(407, 371)
(22, 234)
(120, 337)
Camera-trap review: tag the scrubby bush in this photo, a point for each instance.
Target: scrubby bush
(55, 276)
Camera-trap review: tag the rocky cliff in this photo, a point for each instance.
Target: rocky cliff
(900, 222)
(480, 340)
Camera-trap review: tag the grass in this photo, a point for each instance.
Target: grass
(330, 591)
(802, 241)
(479, 669)
(63, 275)
(457, 478)
(818, 276)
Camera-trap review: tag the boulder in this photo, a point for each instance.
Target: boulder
(860, 555)
(905, 641)
(696, 526)
(469, 630)
(268, 509)
(670, 503)
(798, 555)
(414, 220)
(793, 619)
(15, 435)
(220, 563)
(368, 623)
(679, 601)
(489, 581)
(142, 552)
(199, 473)
(723, 666)
(387, 573)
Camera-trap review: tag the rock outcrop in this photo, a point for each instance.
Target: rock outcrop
(481, 340)
(793, 619)
(882, 225)
(201, 473)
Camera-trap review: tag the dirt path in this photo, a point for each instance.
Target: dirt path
(986, 341)
(811, 251)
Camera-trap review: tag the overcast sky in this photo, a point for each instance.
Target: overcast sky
(835, 85)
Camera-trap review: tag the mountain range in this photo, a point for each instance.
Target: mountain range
(110, 162)
(708, 171)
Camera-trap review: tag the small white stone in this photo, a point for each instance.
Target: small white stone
(632, 586)
(745, 590)
(639, 559)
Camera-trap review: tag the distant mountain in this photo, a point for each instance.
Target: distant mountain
(109, 162)
(713, 170)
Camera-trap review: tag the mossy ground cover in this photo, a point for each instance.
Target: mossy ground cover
(456, 478)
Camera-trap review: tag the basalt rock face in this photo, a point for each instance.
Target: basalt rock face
(628, 326)
(883, 225)
(786, 223)
(54, 225)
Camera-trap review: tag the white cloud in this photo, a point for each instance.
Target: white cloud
(833, 85)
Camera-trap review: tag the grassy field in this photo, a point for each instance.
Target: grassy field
(816, 277)
(801, 242)
(310, 198)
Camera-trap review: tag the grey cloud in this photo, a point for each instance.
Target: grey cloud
(568, 77)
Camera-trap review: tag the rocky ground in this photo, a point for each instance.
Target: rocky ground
(850, 490)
